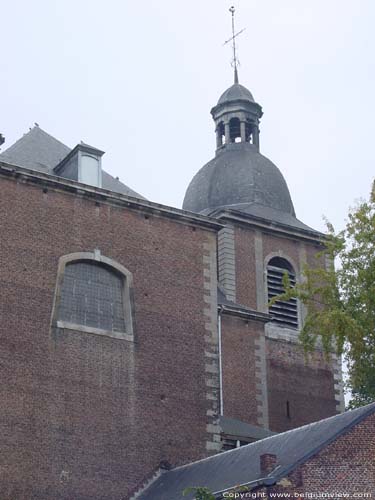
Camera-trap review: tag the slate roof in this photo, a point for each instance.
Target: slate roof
(36, 150)
(242, 465)
(234, 93)
(230, 307)
(257, 211)
(39, 151)
(238, 174)
(239, 429)
(222, 298)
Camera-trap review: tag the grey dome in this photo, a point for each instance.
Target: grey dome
(234, 93)
(238, 174)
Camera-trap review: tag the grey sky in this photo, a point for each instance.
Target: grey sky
(138, 79)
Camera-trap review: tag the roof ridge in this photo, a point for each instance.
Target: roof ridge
(38, 128)
(32, 130)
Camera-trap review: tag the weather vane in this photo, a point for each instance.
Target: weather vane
(235, 61)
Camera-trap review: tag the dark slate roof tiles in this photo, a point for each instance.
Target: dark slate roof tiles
(39, 151)
(268, 214)
(238, 174)
(235, 93)
(36, 150)
(242, 465)
(239, 429)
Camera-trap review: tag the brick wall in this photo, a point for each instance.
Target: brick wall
(239, 368)
(245, 267)
(300, 390)
(86, 416)
(307, 387)
(346, 467)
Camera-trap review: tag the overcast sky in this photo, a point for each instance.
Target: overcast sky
(138, 79)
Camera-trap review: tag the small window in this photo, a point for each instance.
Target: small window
(94, 296)
(282, 312)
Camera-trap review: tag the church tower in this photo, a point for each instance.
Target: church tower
(265, 379)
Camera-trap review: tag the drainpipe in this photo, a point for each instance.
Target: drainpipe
(220, 364)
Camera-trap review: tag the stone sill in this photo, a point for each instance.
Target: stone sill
(96, 331)
(277, 332)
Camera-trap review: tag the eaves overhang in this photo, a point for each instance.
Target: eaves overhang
(244, 312)
(248, 220)
(106, 196)
(236, 104)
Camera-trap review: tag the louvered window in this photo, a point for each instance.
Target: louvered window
(283, 312)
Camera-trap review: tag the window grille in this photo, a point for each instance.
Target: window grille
(284, 312)
(92, 296)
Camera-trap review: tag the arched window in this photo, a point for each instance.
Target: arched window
(235, 130)
(93, 295)
(249, 132)
(282, 312)
(220, 134)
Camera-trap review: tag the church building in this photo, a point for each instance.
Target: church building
(137, 337)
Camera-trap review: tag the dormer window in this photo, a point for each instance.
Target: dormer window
(89, 171)
(82, 164)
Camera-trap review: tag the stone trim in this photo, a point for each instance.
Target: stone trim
(261, 381)
(302, 256)
(227, 261)
(128, 299)
(282, 255)
(211, 337)
(272, 227)
(244, 312)
(65, 325)
(337, 364)
(276, 332)
(102, 195)
(338, 383)
(259, 273)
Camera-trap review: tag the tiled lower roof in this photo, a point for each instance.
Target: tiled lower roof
(242, 465)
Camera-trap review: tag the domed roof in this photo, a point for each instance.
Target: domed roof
(234, 93)
(238, 174)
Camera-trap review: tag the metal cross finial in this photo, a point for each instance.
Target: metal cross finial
(235, 61)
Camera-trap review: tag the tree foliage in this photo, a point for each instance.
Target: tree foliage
(201, 493)
(340, 302)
